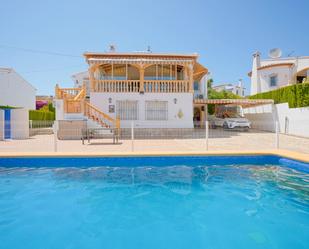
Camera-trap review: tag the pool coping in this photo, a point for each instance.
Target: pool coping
(282, 153)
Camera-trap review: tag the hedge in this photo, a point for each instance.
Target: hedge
(47, 112)
(41, 115)
(296, 95)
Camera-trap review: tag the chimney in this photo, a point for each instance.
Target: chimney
(257, 58)
(255, 76)
(240, 83)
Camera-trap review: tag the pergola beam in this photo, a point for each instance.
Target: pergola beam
(241, 102)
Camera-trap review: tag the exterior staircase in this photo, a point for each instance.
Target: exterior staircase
(103, 119)
(75, 103)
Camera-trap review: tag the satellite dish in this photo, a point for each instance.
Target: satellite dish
(275, 53)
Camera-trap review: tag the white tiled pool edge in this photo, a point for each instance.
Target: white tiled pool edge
(283, 153)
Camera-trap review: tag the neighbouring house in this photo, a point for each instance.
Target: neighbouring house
(17, 97)
(80, 79)
(15, 90)
(153, 90)
(237, 89)
(272, 73)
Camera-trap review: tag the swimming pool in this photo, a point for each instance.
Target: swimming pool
(154, 202)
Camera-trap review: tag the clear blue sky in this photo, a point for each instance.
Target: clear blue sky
(225, 33)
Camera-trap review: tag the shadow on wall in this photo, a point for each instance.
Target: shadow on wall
(14, 123)
(292, 121)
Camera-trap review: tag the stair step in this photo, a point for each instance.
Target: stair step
(98, 118)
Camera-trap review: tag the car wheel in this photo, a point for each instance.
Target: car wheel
(225, 126)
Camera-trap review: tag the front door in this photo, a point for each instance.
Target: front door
(7, 124)
(197, 117)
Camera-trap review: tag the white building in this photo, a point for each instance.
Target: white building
(270, 74)
(18, 93)
(237, 89)
(80, 79)
(15, 90)
(153, 90)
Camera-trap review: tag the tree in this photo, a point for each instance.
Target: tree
(209, 83)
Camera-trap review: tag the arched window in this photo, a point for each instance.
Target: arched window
(116, 72)
(119, 72)
(151, 73)
(164, 72)
(133, 72)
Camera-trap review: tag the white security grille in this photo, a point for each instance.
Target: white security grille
(156, 110)
(127, 110)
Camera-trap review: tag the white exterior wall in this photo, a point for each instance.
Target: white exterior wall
(184, 104)
(203, 89)
(302, 63)
(284, 75)
(20, 123)
(293, 121)
(1, 124)
(16, 91)
(58, 104)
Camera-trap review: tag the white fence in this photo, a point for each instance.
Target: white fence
(292, 121)
(45, 137)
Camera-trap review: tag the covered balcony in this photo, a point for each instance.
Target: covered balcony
(144, 75)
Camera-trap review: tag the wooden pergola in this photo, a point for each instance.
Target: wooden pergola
(141, 63)
(245, 103)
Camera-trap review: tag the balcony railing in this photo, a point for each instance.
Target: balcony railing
(116, 86)
(149, 86)
(166, 86)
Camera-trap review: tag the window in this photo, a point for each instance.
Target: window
(196, 86)
(273, 80)
(127, 110)
(156, 110)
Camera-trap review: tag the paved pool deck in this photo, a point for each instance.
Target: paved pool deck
(238, 144)
(221, 141)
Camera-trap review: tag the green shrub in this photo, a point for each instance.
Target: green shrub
(296, 95)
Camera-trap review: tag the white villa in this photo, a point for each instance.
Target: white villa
(18, 93)
(237, 89)
(153, 90)
(15, 90)
(270, 74)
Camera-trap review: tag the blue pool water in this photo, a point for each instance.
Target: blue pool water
(166, 202)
